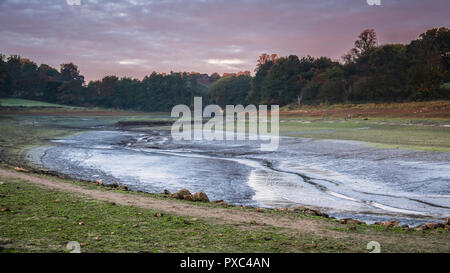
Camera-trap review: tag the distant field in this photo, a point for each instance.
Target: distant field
(394, 133)
(417, 110)
(12, 102)
(412, 125)
(39, 108)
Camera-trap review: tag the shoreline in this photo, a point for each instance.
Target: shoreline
(23, 161)
(384, 219)
(107, 219)
(394, 222)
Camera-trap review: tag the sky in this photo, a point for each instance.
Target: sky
(133, 38)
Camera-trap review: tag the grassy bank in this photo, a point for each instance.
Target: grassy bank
(394, 133)
(32, 220)
(44, 220)
(421, 126)
(35, 219)
(407, 110)
(13, 102)
(410, 125)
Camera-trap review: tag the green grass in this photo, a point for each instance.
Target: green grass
(424, 135)
(37, 222)
(395, 133)
(12, 102)
(43, 220)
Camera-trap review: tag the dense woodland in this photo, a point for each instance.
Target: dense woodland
(368, 73)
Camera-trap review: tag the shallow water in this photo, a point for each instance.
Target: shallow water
(342, 178)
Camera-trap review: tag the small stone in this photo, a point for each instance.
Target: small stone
(420, 228)
(100, 182)
(83, 244)
(351, 221)
(135, 225)
(181, 193)
(81, 223)
(158, 214)
(188, 197)
(97, 239)
(19, 169)
(388, 224)
(220, 235)
(113, 185)
(200, 197)
(57, 201)
(433, 225)
(194, 219)
(112, 233)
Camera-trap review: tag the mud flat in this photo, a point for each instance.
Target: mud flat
(345, 179)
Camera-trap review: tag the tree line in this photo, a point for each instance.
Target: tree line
(22, 78)
(367, 73)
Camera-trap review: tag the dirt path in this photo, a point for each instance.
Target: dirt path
(220, 214)
(230, 216)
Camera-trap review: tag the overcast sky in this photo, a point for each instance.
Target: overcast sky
(135, 37)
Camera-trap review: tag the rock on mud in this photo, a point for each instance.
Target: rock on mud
(351, 221)
(113, 185)
(188, 197)
(388, 224)
(200, 197)
(433, 225)
(309, 211)
(181, 193)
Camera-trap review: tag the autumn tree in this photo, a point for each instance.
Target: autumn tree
(366, 40)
